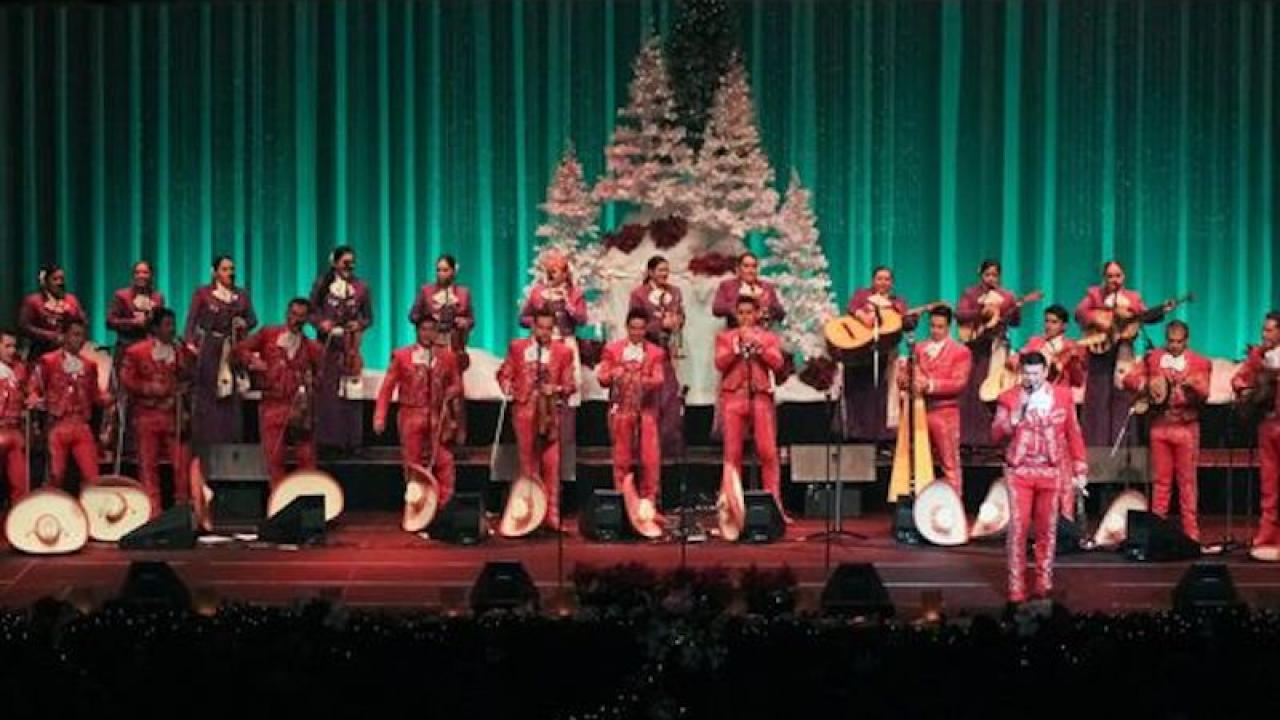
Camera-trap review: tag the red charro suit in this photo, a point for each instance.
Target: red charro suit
(428, 380)
(68, 384)
(1261, 359)
(13, 439)
(1175, 429)
(151, 374)
(527, 370)
(634, 374)
(288, 379)
(945, 365)
(1044, 452)
(746, 395)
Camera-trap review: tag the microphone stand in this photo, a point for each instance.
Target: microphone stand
(834, 529)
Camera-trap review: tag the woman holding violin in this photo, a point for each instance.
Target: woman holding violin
(341, 312)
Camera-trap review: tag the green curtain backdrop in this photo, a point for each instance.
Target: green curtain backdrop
(1050, 135)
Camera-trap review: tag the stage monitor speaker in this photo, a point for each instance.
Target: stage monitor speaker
(763, 521)
(461, 521)
(301, 522)
(1206, 586)
(504, 585)
(856, 589)
(604, 518)
(818, 500)
(174, 529)
(1154, 539)
(237, 475)
(904, 523)
(153, 584)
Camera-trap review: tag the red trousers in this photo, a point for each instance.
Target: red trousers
(760, 413)
(13, 450)
(72, 438)
(1175, 452)
(944, 438)
(1269, 455)
(539, 458)
(623, 426)
(418, 432)
(273, 422)
(154, 431)
(1033, 506)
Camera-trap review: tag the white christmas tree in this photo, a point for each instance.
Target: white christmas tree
(798, 265)
(648, 163)
(570, 228)
(733, 181)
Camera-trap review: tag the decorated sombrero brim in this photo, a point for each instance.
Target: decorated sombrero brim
(421, 498)
(308, 482)
(47, 522)
(1114, 527)
(115, 506)
(939, 515)
(731, 507)
(993, 514)
(641, 512)
(526, 508)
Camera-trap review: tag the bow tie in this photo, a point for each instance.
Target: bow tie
(1177, 364)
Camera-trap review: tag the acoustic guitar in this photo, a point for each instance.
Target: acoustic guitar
(984, 328)
(848, 332)
(1002, 378)
(1110, 328)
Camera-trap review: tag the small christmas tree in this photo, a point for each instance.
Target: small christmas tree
(733, 180)
(570, 227)
(648, 163)
(798, 265)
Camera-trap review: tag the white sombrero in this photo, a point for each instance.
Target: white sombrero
(1265, 553)
(307, 482)
(993, 515)
(939, 515)
(731, 507)
(1114, 527)
(526, 507)
(421, 498)
(641, 511)
(115, 505)
(47, 522)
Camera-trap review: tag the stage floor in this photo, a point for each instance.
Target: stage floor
(368, 562)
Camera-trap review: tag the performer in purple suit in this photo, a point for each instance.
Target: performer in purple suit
(977, 305)
(748, 284)
(664, 306)
(866, 391)
(220, 315)
(341, 312)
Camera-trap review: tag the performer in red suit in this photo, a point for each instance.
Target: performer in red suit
(45, 314)
(427, 376)
(556, 294)
(449, 305)
(632, 369)
(157, 373)
(220, 316)
(66, 382)
(942, 370)
(341, 311)
(1260, 369)
(1044, 453)
(13, 435)
(287, 363)
(977, 305)
(131, 308)
(537, 375)
(1062, 354)
(866, 385)
(1175, 426)
(748, 284)
(747, 357)
(1106, 409)
(663, 304)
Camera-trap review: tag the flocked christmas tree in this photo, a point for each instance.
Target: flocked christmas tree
(570, 228)
(798, 265)
(648, 163)
(733, 181)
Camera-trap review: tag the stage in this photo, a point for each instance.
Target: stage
(368, 562)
